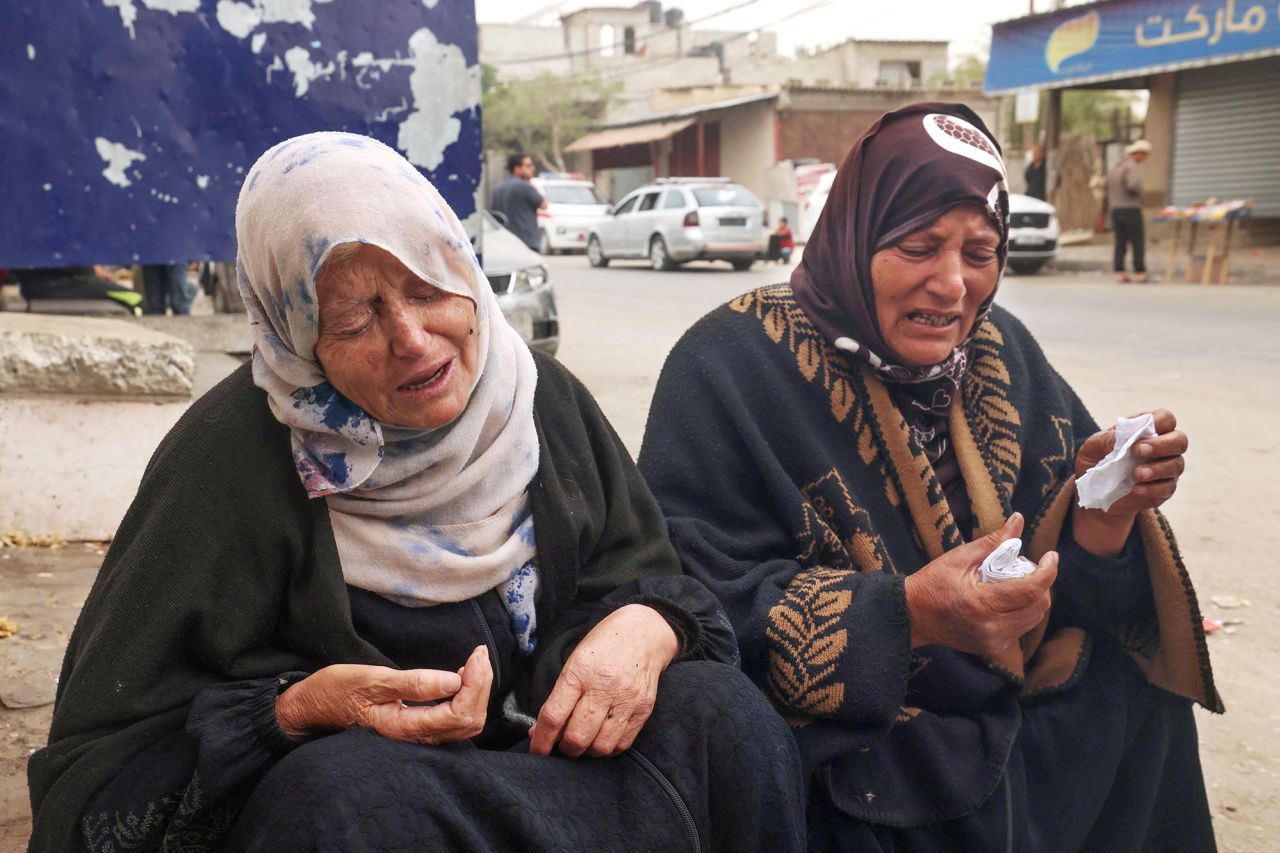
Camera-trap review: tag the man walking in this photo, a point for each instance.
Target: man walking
(1124, 197)
(519, 201)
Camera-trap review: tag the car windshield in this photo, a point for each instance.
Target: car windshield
(729, 195)
(573, 194)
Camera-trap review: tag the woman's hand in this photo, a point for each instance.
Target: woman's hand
(343, 696)
(606, 690)
(948, 604)
(1160, 463)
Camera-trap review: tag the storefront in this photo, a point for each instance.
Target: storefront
(1212, 69)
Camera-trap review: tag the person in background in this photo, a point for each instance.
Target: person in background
(166, 286)
(786, 241)
(41, 283)
(1034, 173)
(1124, 197)
(519, 201)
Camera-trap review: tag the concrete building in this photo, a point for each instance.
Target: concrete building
(744, 136)
(1211, 72)
(857, 64)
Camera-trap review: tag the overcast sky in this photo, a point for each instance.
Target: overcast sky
(965, 23)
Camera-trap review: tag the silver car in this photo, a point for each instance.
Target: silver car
(675, 220)
(520, 281)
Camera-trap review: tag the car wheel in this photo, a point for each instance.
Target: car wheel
(743, 265)
(544, 244)
(595, 253)
(658, 256)
(1027, 267)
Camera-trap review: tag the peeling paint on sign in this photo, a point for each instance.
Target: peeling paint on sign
(118, 158)
(442, 84)
(213, 83)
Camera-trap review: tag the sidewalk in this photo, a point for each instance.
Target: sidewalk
(1248, 265)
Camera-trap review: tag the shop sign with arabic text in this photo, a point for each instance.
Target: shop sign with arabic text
(1127, 37)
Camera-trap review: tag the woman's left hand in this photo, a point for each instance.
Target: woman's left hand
(607, 688)
(1160, 464)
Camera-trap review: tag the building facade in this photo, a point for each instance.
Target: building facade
(1212, 72)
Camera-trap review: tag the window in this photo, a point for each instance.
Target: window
(650, 201)
(728, 195)
(629, 41)
(626, 205)
(899, 73)
(572, 194)
(674, 200)
(607, 39)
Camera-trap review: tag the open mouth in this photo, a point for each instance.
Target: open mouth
(936, 321)
(428, 380)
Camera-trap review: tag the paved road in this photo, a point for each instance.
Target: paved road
(1211, 354)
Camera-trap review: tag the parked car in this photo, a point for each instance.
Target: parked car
(1033, 233)
(813, 205)
(573, 206)
(522, 285)
(675, 220)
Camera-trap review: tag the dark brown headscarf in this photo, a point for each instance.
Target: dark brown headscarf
(906, 170)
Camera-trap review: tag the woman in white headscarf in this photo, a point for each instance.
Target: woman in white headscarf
(376, 589)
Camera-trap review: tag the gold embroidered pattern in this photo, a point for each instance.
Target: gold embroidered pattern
(806, 642)
(784, 321)
(989, 409)
(837, 532)
(1050, 463)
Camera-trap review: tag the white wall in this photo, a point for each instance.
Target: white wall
(747, 145)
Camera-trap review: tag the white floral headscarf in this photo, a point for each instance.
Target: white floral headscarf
(420, 517)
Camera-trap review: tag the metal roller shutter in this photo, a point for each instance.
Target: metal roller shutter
(1226, 135)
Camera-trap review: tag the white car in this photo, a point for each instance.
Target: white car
(1033, 233)
(573, 206)
(674, 220)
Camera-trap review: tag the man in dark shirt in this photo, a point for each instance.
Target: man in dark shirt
(1035, 173)
(519, 201)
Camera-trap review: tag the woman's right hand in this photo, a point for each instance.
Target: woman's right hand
(344, 696)
(950, 606)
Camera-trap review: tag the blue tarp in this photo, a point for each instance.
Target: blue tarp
(126, 126)
(1126, 38)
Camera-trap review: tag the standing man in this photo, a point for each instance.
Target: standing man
(520, 201)
(1035, 173)
(1124, 197)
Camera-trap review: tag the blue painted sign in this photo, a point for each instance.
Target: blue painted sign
(1126, 38)
(126, 126)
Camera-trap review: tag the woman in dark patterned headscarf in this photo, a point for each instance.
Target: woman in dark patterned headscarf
(838, 455)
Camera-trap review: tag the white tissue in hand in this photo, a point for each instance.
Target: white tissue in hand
(1112, 478)
(1004, 563)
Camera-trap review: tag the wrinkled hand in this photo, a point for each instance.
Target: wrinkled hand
(606, 690)
(1160, 463)
(345, 696)
(950, 606)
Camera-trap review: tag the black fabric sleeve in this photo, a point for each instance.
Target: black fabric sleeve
(219, 576)
(822, 641)
(190, 784)
(1101, 593)
(1092, 592)
(593, 511)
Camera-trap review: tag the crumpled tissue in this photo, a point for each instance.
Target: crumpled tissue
(1112, 478)
(1004, 563)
